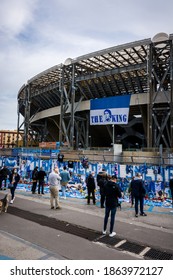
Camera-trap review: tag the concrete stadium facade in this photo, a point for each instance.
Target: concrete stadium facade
(55, 104)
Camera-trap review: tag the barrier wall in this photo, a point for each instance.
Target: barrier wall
(151, 175)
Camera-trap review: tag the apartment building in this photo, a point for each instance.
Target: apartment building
(8, 138)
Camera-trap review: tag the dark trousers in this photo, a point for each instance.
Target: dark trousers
(139, 200)
(41, 186)
(34, 185)
(132, 199)
(107, 212)
(91, 191)
(12, 190)
(102, 200)
(172, 194)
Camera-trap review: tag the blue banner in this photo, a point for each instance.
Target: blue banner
(110, 110)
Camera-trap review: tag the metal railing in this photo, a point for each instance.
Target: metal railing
(149, 156)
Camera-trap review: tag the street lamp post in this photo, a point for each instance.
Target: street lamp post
(113, 138)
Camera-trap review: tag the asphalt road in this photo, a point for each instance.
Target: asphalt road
(24, 238)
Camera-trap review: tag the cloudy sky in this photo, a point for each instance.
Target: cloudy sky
(38, 34)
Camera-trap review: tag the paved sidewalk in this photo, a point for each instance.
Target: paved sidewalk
(17, 246)
(157, 217)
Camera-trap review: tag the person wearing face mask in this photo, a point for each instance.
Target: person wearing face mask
(14, 179)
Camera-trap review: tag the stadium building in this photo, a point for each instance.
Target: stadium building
(56, 104)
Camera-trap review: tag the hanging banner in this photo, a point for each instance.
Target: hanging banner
(110, 110)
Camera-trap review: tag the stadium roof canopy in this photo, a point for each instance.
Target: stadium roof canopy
(118, 70)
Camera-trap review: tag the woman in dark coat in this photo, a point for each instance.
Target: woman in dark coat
(14, 179)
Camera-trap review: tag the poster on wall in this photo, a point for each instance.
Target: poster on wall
(110, 110)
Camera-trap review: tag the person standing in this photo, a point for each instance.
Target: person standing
(40, 176)
(101, 181)
(131, 198)
(90, 182)
(138, 192)
(4, 172)
(171, 188)
(112, 193)
(34, 179)
(65, 178)
(14, 179)
(158, 188)
(54, 185)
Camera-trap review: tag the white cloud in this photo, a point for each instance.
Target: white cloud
(16, 15)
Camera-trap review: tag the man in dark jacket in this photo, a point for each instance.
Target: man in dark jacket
(138, 192)
(171, 188)
(40, 176)
(90, 182)
(4, 172)
(101, 180)
(112, 193)
(34, 179)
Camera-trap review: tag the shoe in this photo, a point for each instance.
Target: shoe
(58, 207)
(112, 234)
(42, 193)
(102, 207)
(12, 200)
(136, 215)
(143, 214)
(104, 232)
(52, 207)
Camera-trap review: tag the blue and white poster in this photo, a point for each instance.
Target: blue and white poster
(110, 110)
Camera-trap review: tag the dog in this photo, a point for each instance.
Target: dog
(4, 203)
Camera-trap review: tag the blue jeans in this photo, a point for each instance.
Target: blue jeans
(12, 190)
(107, 212)
(63, 188)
